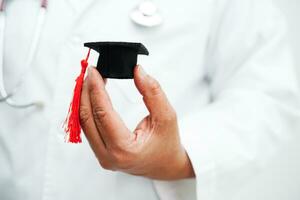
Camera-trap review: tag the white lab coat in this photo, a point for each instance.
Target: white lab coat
(224, 65)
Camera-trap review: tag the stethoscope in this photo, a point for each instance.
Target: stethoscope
(5, 96)
(146, 14)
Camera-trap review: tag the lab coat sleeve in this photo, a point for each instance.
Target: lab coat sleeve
(254, 99)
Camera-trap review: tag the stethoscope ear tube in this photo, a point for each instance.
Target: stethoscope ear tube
(145, 15)
(7, 97)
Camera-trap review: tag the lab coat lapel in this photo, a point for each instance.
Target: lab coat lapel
(79, 5)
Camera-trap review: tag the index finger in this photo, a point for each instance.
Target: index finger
(112, 128)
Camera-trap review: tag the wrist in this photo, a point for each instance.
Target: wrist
(182, 167)
(185, 169)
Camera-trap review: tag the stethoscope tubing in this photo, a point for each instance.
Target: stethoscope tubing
(140, 16)
(5, 96)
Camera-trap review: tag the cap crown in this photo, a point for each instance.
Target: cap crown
(117, 59)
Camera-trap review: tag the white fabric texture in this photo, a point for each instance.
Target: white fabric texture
(225, 66)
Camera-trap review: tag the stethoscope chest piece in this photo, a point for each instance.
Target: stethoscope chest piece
(146, 14)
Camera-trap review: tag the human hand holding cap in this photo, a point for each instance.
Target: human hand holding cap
(152, 150)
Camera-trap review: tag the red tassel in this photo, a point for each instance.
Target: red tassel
(72, 123)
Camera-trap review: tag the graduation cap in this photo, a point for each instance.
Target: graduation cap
(117, 59)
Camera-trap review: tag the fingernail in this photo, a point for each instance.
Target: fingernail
(90, 72)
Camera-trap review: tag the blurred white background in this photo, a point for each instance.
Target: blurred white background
(291, 9)
(285, 174)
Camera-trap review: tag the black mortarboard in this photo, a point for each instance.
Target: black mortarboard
(117, 59)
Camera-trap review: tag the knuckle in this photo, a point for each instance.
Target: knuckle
(84, 115)
(105, 164)
(154, 87)
(170, 117)
(99, 113)
(121, 159)
(117, 156)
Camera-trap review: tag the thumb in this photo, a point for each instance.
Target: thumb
(153, 95)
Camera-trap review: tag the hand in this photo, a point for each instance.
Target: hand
(153, 150)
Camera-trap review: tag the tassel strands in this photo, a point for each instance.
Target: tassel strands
(72, 125)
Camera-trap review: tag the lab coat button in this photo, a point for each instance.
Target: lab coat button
(206, 79)
(148, 8)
